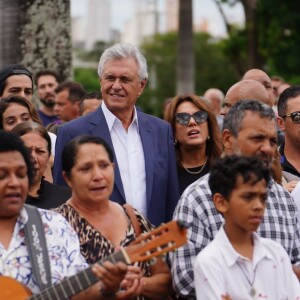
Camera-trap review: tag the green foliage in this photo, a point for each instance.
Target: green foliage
(235, 49)
(279, 23)
(213, 69)
(160, 53)
(277, 35)
(88, 78)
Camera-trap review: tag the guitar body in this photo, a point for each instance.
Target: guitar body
(10, 289)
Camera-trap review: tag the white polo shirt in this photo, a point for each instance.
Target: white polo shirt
(220, 270)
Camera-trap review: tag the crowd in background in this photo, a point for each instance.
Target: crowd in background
(92, 153)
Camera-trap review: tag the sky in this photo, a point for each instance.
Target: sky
(122, 11)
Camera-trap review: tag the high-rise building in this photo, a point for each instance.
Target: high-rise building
(93, 25)
(98, 25)
(145, 22)
(171, 8)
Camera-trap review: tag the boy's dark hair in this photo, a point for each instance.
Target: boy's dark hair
(11, 142)
(225, 172)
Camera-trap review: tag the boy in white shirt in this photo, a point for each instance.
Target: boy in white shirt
(238, 264)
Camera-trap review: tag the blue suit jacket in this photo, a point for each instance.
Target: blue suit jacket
(160, 164)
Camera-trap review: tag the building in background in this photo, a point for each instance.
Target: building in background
(94, 26)
(98, 22)
(172, 7)
(155, 16)
(146, 18)
(78, 32)
(146, 22)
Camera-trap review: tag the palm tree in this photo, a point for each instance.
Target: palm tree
(185, 50)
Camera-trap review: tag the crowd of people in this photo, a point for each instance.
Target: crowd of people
(226, 165)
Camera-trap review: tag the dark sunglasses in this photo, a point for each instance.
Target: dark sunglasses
(184, 118)
(295, 116)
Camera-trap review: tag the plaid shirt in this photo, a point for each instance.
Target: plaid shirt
(197, 208)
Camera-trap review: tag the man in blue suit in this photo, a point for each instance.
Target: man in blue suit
(145, 171)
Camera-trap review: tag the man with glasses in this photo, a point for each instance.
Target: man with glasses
(249, 129)
(143, 145)
(288, 120)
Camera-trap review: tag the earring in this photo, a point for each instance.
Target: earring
(175, 142)
(208, 138)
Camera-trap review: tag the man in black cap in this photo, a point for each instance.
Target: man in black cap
(16, 80)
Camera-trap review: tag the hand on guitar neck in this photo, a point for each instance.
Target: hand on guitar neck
(161, 240)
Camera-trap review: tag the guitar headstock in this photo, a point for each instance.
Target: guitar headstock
(165, 238)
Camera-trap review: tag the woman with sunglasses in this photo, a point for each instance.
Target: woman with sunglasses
(197, 137)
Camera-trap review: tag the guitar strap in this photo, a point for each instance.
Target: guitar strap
(133, 218)
(37, 247)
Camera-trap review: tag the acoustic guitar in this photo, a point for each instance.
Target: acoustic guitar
(163, 239)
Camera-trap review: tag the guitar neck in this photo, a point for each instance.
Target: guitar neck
(79, 282)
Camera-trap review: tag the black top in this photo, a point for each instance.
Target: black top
(50, 195)
(287, 167)
(185, 178)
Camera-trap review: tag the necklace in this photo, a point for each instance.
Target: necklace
(195, 172)
(252, 291)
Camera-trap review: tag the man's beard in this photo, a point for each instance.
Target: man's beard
(48, 103)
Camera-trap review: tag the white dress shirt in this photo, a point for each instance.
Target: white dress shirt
(130, 157)
(220, 270)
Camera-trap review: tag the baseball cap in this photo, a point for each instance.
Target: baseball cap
(14, 69)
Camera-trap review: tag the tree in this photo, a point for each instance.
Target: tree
(252, 56)
(279, 23)
(88, 77)
(269, 39)
(213, 68)
(185, 57)
(37, 34)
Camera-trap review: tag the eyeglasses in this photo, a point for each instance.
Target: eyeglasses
(184, 118)
(295, 116)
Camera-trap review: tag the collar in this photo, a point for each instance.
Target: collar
(286, 165)
(231, 256)
(111, 119)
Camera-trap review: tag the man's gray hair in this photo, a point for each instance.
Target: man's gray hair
(233, 119)
(124, 50)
